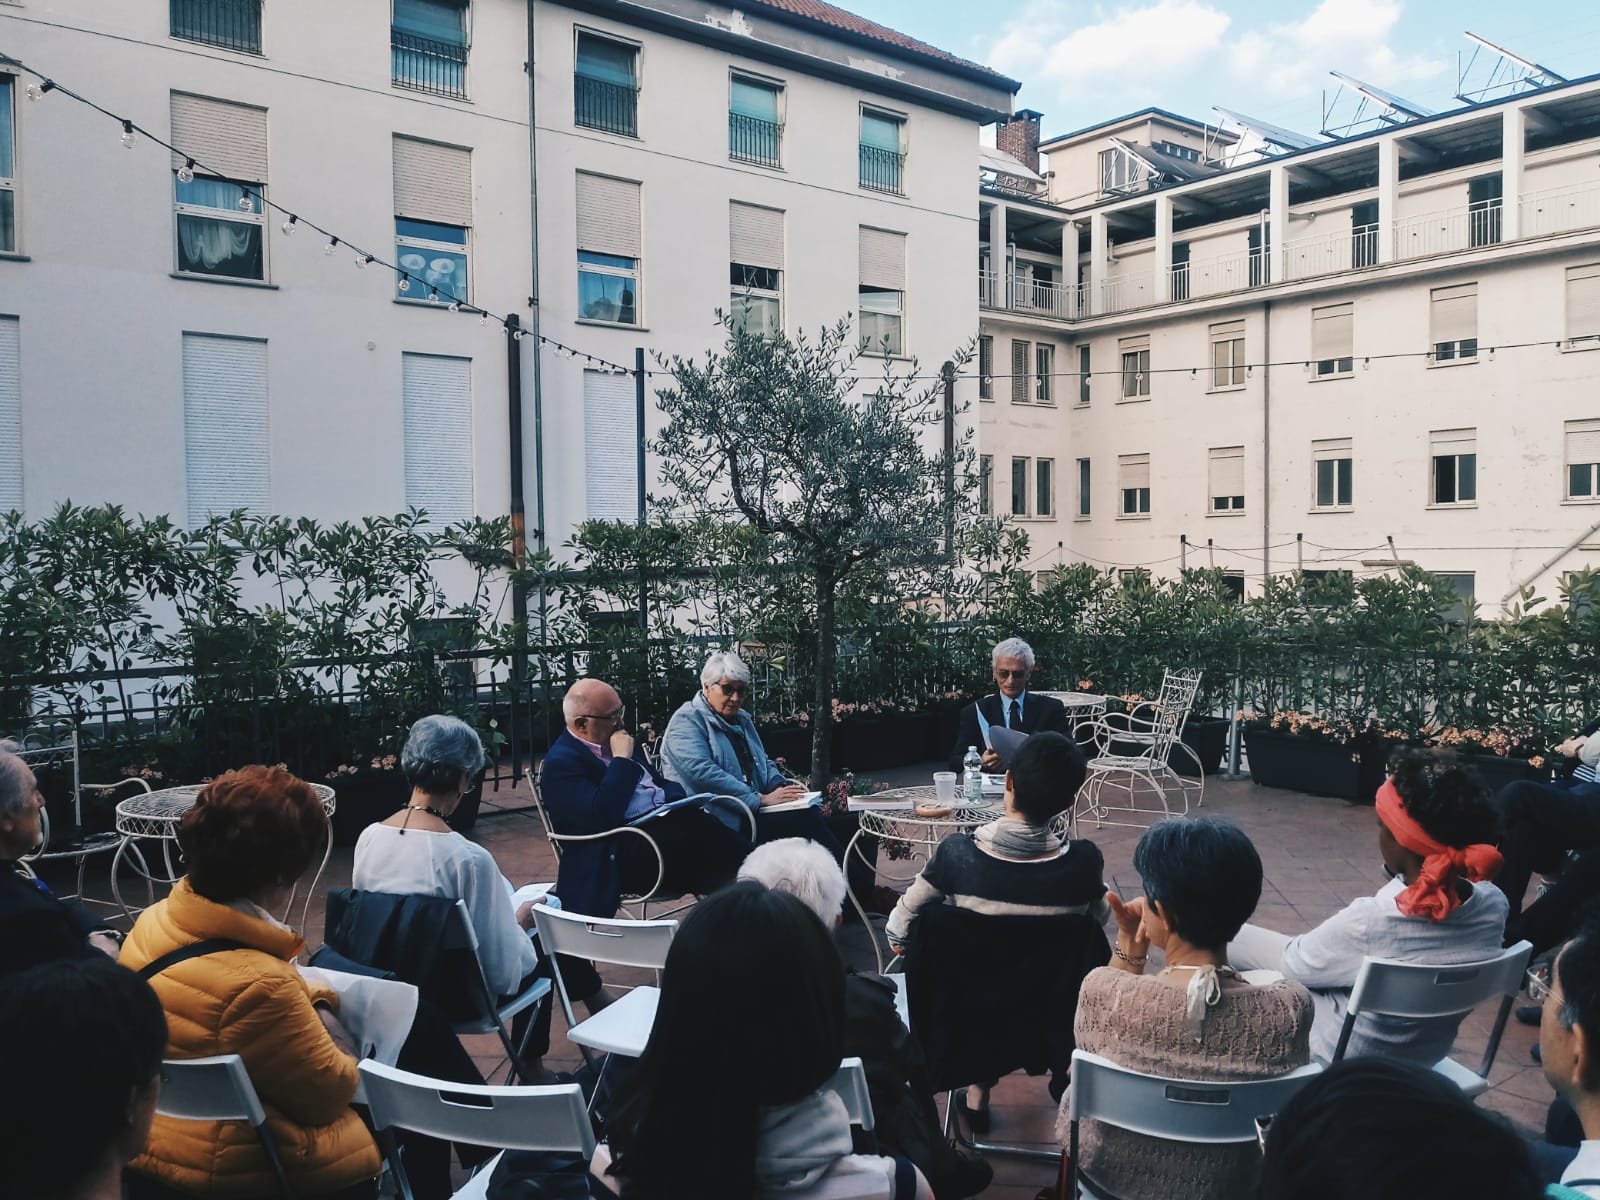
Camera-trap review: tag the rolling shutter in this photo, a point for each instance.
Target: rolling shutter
(225, 428)
(608, 215)
(1455, 313)
(432, 182)
(1332, 331)
(883, 259)
(755, 235)
(436, 394)
(1133, 471)
(1583, 437)
(1227, 471)
(1019, 372)
(229, 139)
(1454, 441)
(1583, 301)
(10, 414)
(610, 447)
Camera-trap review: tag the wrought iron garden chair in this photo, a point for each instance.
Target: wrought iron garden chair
(1132, 752)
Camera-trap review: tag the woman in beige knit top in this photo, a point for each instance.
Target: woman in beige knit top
(1193, 1019)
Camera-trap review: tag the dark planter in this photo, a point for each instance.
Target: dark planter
(1296, 762)
(365, 798)
(1496, 771)
(1208, 738)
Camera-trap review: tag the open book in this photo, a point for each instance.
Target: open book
(809, 800)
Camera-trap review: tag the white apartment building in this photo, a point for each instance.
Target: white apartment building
(1353, 353)
(606, 173)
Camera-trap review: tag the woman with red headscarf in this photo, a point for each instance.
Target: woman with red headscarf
(1436, 833)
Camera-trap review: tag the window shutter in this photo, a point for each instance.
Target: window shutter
(10, 414)
(1454, 441)
(1227, 471)
(608, 215)
(1583, 438)
(1227, 329)
(432, 182)
(755, 235)
(1583, 301)
(1455, 313)
(225, 428)
(1019, 371)
(1331, 448)
(1332, 331)
(883, 259)
(227, 138)
(1133, 471)
(437, 397)
(610, 447)
(1132, 345)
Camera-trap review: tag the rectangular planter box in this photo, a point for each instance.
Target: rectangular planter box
(1288, 760)
(1496, 771)
(1208, 738)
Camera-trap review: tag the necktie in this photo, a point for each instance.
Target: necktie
(1013, 717)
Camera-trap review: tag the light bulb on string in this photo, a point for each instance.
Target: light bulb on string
(127, 135)
(186, 172)
(483, 319)
(245, 203)
(288, 226)
(405, 283)
(35, 92)
(455, 306)
(333, 244)
(433, 295)
(362, 260)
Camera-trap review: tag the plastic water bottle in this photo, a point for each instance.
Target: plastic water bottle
(972, 777)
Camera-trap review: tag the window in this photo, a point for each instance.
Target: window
(8, 164)
(1083, 487)
(883, 153)
(608, 249)
(221, 229)
(10, 414)
(1364, 234)
(1227, 479)
(436, 395)
(1135, 367)
(226, 438)
(755, 268)
(985, 367)
(1455, 465)
(1019, 487)
(230, 24)
(1180, 271)
(1019, 371)
(1187, 153)
(428, 46)
(1044, 365)
(1044, 487)
(1260, 249)
(1331, 464)
(433, 217)
(1232, 586)
(1227, 355)
(1583, 460)
(610, 447)
(1332, 335)
(1464, 584)
(1583, 303)
(1119, 172)
(605, 85)
(1453, 322)
(882, 290)
(985, 484)
(755, 128)
(1133, 485)
(1084, 375)
(1483, 210)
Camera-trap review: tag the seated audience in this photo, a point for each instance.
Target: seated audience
(247, 840)
(1435, 829)
(729, 1100)
(1014, 865)
(81, 1055)
(1193, 1019)
(1014, 707)
(1379, 1129)
(1571, 1061)
(35, 927)
(907, 1123)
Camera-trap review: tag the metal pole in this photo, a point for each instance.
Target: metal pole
(519, 521)
(638, 414)
(1300, 552)
(1211, 553)
(1183, 552)
(948, 372)
(1233, 719)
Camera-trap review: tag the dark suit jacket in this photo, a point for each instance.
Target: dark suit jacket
(35, 927)
(581, 794)
(1038, 713)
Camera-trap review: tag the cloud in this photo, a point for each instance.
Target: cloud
(1354, 36)
(1167, 36)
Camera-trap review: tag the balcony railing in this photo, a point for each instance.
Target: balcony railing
(606, 106)
(1212, 276)
(881, 170)
(1447, 230)
(1560, 210)
(426, 65)
(1028, 296)
(230, 24)
(754, 140)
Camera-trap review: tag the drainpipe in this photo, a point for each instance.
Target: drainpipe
(519, 595)
(1266, 439)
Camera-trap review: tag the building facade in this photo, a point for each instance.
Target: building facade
(1350, 355)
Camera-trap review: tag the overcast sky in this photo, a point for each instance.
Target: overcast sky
(1085, 62)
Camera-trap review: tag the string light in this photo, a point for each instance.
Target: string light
(245, 203)
(186, 172)
(362, 260)
(433, 296)
(483, 319)
(127, 135)
(288, 226)
(333, 244)
(405, 282)
(455, 306)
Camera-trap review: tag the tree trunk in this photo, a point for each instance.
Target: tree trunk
(822, 702)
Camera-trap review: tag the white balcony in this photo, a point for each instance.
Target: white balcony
(1448, 230)
(1029, 297)
(1561, 209)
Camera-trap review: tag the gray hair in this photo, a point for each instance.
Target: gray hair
(803, 869)
(1013, 648)
(724, 664)
(14, 795)
(438, 749)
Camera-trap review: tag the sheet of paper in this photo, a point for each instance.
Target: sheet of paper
(1006, 742)
(377, 1012)
(807, 801)
(539, 893)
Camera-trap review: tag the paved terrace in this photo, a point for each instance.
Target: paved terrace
(1319, 854)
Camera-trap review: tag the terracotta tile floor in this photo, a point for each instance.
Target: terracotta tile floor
(1318, 853)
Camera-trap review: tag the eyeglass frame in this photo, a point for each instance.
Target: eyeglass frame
(1540, 988)
(730, 690)
(615, 718)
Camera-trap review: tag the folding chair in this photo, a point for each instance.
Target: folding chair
(492, 1016)
(849, 1083)
(1416, 990)
(622, 1027)
(512, 1118)
(1180, 1110)
(219, 1089)
(1145, 736)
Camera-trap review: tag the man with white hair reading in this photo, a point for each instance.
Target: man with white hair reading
(1014, 707)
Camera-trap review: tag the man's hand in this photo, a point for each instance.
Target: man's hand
(993, 763)
(621, 744)
(336, 1030)
(1570, 747)
(783, 795)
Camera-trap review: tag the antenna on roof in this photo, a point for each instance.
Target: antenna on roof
(1272, 139)
(1392, 109)
(1508, 73)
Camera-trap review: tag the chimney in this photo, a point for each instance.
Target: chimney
(1019, 137)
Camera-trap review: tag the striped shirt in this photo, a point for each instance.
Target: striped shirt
(1588, 768)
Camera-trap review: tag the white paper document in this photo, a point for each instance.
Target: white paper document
(809, 800)
(539, 893)
(377, 1012)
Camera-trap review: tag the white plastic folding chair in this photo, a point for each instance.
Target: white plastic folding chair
(513, 1118)
(1180, 1110)
(1131, 756)
(493, 1016)
(849, 1083)
(1415, 990)
(219, 1089)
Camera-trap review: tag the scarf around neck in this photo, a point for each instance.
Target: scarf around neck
(1434, 894)
(1014, 838)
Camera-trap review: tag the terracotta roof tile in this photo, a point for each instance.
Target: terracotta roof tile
(838, 18)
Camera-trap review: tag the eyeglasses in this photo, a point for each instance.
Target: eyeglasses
(733, 689)
(612, 717)
(1539, 987)
(1019, 673)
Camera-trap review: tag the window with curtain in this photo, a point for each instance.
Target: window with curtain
(8, 164)
(608, 249)
(882, 290)
(433, 220)
(428, 46)
(1332, 339)
(1135, 367)
(755, 268)
(605, 85)
(755, 128)
(1453, 322)
(220, 219)
(1455, 466)
(882, 150)
(1083, 487)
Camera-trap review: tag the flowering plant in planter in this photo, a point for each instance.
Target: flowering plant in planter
(384, 764)
(1501, 741)
(1336, 731)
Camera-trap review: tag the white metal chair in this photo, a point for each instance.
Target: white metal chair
(1180, 1110)
(849, 1083)
(493, 1016)
(219, 1089)
(1416, 990)
(622, 1027)
(638, 828)
(1131, 756)
(513, 1118)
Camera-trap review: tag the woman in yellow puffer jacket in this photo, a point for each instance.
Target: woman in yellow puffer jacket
(248, 838)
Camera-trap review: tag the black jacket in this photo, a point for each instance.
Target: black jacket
(35, 927)
(1038, 713)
